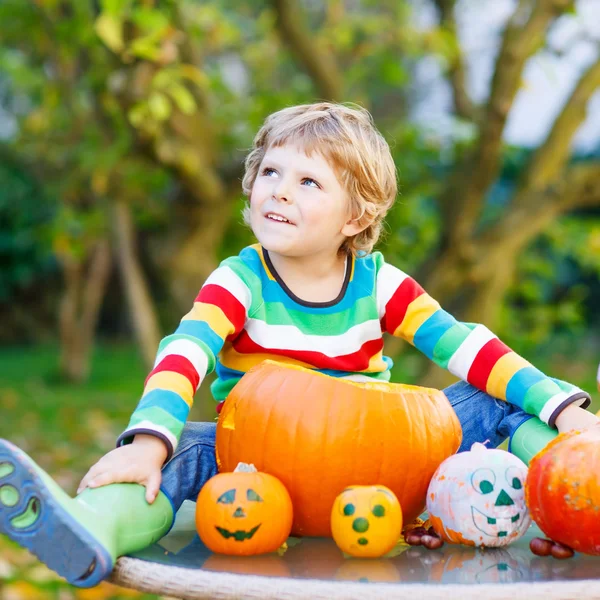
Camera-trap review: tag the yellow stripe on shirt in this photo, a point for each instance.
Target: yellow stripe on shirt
(212, 314)
(173, 382)
(232, 359)
(376, 364)
(259, 251)
(502, 373)
(418, 311)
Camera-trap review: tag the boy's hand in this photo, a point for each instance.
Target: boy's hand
(138, 462)
(573, 417)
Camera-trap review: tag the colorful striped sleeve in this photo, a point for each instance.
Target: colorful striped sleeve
(469, 351)
(185, 357)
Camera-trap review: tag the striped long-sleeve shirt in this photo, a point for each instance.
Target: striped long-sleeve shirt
(244, 314)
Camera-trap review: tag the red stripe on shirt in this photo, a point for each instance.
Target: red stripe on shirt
(177, 364)
(356, 361)
(233, 309)
(395, 309)
(485, 361)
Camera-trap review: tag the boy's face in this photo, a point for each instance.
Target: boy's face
(298, 207)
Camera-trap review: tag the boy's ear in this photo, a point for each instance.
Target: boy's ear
(355, 226)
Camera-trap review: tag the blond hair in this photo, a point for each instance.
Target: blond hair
(347, 137)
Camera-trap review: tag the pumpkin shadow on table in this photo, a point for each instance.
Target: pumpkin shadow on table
(320, 558)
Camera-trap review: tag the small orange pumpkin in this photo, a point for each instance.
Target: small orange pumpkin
(319, 434)
(562, 490)
(366, 521)
(244, 512)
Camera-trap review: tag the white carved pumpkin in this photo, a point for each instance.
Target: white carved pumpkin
(478, 498)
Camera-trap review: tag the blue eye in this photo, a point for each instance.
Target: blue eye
(308, 179)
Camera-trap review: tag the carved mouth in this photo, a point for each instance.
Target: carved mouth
(496, 526)
(239, 535)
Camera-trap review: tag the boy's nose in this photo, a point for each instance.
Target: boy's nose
(281, 197)
(281, 192)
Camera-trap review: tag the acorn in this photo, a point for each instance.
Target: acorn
(540, 546)
(431, 542)
(560, 551)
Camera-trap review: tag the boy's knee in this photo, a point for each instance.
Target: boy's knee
(460, 391)
(196, 432)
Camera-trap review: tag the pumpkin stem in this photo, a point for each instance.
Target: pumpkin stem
(245, 468)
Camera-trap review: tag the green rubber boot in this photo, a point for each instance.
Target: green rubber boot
(529, 438)
(79, 538)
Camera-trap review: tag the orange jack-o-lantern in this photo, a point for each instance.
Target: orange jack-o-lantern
(244, 512)
(366, 520)
(319, 434)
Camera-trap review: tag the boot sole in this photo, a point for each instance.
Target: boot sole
(53, 535)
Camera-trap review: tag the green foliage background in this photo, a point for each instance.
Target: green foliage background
(91, 126)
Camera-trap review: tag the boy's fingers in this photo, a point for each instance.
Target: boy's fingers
(108, 477)
(102, 479)
(86, 480)
(152, 487)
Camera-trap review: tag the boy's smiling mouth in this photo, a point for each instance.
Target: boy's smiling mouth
(277, 217)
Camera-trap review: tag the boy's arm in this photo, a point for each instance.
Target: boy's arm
(185, 357)
(469, 351)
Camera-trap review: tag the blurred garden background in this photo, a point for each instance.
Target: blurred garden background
(123, 128)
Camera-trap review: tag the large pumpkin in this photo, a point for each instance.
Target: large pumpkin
(477, 498)
(318, 435)
(563, 490)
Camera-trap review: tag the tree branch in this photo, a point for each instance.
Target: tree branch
(463, 104)
(142, 313)
(578, 187)
(319, 64)
(179, 144)
(546, 189)
(551, 156)
(463, 199)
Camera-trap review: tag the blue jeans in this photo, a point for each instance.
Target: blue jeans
(482, 417)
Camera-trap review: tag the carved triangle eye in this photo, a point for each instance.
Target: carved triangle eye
(227, 497)
(252, 496)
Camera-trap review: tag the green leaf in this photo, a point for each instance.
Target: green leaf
(109, 29)
(194, 74)
(145, 48)
(137, 114)
(159, 105)
(150, 20)
(115, 7)
(183, 98)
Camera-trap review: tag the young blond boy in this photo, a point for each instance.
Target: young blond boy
(320, 179)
